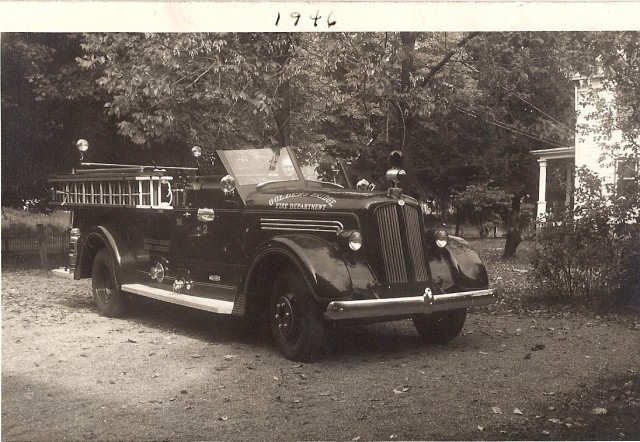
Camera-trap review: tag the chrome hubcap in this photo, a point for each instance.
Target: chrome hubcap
(105, 291)
(284, 316)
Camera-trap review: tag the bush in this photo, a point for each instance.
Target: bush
(592, 255)
(18, 222)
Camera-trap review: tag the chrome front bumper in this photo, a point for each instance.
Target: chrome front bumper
(407, 306)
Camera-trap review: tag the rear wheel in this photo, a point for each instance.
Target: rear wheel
(440, 327)
(297, 324)
(109, 300)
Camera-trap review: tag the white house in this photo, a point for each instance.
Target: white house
(587, 150)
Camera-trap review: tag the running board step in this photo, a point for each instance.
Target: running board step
(210, 305)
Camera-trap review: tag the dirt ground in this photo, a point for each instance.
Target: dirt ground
(169, 373)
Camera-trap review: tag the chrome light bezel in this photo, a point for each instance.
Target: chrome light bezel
(351, 239)
(228, 184)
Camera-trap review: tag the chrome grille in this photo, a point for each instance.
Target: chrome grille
(301, 225)
(414, 238)
(399, 254)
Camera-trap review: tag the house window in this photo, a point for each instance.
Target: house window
(626, 176)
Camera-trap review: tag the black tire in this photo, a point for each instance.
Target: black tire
(297, 324)
(109, 300)
(440, 327)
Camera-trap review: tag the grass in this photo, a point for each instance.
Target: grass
(17, 222)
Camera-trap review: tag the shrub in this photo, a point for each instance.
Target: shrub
(593, 254)
(18, 222)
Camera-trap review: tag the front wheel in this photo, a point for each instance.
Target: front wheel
(109, 300)
(440, 327)
(296, 320)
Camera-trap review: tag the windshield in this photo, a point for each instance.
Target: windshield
(325, 170)
(259, 166)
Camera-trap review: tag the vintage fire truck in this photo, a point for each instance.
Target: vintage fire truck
(264, 236)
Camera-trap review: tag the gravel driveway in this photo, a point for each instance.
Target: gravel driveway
(168, 373)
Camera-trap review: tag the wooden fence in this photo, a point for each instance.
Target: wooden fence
(30, 244)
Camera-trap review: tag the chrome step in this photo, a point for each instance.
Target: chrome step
(210, 305)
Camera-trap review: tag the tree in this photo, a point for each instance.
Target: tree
(464, 107)
(483, 205)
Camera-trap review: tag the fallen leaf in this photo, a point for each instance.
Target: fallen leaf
(555, 420)
(480, 427)
(396, 391)
(599, 410)
(517, 411)
(545, 432)
(549, 393)
(223, 418)
(496, 410)
(356, 438)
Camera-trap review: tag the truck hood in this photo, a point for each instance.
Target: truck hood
(317, 199)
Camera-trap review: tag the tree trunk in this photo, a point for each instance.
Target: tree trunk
(282, 105)
(514, 229)
(458, 220)
(411, 185)
(282, 114)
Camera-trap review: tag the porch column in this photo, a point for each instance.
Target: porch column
(569, 187)
(542, 189)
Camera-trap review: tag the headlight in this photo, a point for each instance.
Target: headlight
(82, 145)
(351, 238)
(228, 184)
(441, 238)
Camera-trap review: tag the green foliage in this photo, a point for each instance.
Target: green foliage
(483, 205)
(591, 256)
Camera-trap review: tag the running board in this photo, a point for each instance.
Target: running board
(207, 304)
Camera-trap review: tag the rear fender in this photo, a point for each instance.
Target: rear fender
(99, 237)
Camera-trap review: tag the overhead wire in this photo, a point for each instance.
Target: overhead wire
(562, 125)
(509, 127)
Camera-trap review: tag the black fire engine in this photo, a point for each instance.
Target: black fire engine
(265, 236)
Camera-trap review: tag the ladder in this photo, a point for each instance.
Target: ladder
(120, 188)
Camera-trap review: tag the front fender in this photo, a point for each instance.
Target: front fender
(99, 237)
(469, 272)
(323, 264)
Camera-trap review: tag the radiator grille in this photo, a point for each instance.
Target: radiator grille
(400, 255)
